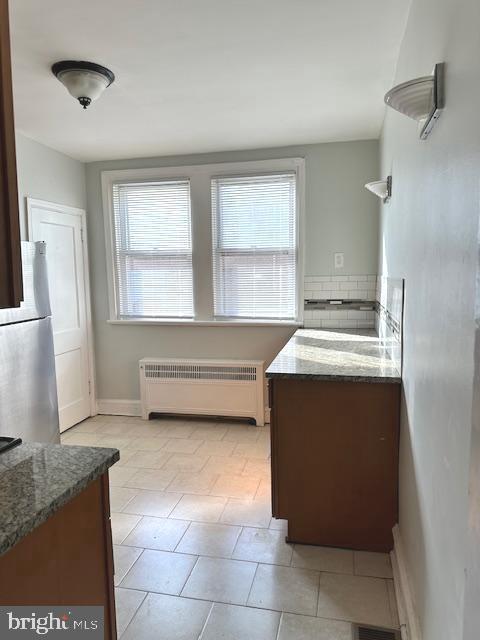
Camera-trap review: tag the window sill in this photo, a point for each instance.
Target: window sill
(178, 322)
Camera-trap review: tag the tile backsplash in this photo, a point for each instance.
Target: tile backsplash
(351, 315)
(389, 316)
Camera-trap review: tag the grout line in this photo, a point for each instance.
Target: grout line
(252, 583)
(279, 625)
(146, 593)
(188, 577)
(206, 621)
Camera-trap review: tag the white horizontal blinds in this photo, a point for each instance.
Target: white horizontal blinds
(254, 246)
(153, 249)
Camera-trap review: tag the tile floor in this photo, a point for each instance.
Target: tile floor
(197, 554)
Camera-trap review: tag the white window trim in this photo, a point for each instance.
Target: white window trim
(200, 176)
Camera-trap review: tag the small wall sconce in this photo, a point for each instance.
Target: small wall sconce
(381, 188)
(422, 99)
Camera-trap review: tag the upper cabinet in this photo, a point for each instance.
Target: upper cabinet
(11, 293)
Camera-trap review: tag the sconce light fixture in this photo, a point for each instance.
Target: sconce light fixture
(85, 81)
(381, 188)
(421, 99)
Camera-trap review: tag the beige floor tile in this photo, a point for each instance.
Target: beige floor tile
(81, 439)
(323, 558)
(234, 486)
(242, 433)
(110, 418)
(87, 426)
(263, 545)
(354, 598)
(257, 467)
(220, 580)
(119, 475)
(254, 451)
(180, 430)
(115, 442)
(264, 491)
(217, 448)
(153, 503)
(157, 533)
(209, 432)
(124, 558)
(285, 589)
(199, 508)
(195, 483)
(148, 429)
(232, 622)
(294, 627)
(225, 464)
(154, 479)
(148, 459)
(114, 429)
(148, 443)
(375, 565)
(247, 513)
(122, 524)
(279, 525)
(182, 445)
(164, 617)
(160, 571)
(120, 497)
(392, 598)
(209, 539)
(127, 602)
(125, 456)
(186, 462)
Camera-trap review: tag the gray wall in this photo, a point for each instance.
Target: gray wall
(428, 236)
(340, 216)
(47, 175)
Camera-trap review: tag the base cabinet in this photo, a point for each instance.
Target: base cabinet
(67, 560)
(335, 461)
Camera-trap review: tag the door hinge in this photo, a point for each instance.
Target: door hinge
(89, 387)
(81, 234)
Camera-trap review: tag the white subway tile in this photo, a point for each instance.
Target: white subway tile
(340, 278)
(348, 324)
(372, 278)
(330, 324)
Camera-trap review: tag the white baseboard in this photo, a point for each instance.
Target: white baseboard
(119, 407)
(409, 624)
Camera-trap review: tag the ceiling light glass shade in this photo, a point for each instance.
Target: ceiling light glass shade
(85, 81)
(381, 188)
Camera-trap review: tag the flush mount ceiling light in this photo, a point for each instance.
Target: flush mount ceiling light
(421, 99)
(85, 81)
(381, 188)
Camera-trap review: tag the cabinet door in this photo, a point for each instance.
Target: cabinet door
(11, 293)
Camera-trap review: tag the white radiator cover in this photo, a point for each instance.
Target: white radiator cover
(203, 387)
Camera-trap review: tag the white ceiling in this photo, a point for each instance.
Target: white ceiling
(205, 75)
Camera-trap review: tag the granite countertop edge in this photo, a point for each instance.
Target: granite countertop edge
(39, 517)
(336, 377)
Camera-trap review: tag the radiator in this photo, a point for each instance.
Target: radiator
(203, 387)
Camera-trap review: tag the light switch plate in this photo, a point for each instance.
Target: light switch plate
(338, 260)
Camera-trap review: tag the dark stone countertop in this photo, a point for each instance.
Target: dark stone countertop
(38, 479)
(353, 355)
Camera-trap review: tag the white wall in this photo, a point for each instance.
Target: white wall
(429, 236)
(340, 216)
(48, 175)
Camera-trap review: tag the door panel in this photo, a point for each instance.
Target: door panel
(62, 232)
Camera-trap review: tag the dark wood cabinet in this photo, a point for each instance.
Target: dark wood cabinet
(335, 461)
(11, 293)
(67, 560)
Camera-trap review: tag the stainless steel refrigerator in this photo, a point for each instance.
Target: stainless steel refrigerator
(28, 388)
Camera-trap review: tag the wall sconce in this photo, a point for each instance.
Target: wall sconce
(85, 81)
(422, 99)
(381, 188)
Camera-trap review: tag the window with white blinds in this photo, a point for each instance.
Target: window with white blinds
(153, 249)
(255, 246)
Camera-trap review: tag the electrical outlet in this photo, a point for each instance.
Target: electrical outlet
(338, 260)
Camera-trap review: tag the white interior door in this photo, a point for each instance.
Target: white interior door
(63, 230)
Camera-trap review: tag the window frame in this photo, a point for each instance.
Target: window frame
(200, 176)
